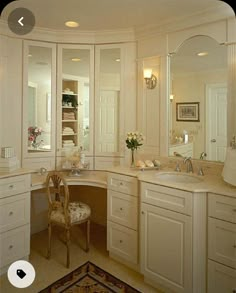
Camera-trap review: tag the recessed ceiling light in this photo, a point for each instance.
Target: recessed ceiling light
(75, 59)
(72, 24)
(118, 60)
(201, 54)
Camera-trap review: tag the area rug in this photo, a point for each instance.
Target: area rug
(89, 278)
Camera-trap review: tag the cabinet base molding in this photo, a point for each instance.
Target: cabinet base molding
(117, 258)
(157, 286)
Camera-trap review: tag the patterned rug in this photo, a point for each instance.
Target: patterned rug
(89, 278)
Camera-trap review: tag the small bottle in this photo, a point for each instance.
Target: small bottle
(82, 156)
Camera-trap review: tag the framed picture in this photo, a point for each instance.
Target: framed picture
(187, 112)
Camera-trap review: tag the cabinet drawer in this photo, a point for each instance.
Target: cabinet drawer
(122, 183)
(222, 207)
(221, 279)
(122, 209)
(172, 199)
(14, 244)
(14, 185)
(123, 242)
(222, 242)
(14, 211)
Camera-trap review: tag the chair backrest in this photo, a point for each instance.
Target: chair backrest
(58, 193)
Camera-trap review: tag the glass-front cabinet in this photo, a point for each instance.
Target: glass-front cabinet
(39, 93)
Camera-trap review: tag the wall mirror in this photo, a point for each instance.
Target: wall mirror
(76, 101)
(198, 100)
(108, 88)
(38, 98)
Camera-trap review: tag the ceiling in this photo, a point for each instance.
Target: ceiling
(100, 15)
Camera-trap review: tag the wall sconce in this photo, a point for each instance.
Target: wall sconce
(171, 98)
(151, 80)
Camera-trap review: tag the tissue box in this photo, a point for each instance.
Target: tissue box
(9, 164)
(7, 152)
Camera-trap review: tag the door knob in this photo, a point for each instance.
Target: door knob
(213, 140)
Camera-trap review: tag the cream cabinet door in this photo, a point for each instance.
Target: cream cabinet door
(221, 279)
(166, 248)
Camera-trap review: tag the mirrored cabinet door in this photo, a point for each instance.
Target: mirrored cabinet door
(108, 94)
(39, 94)
(75, 99)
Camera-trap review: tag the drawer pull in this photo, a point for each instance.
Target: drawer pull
(121, 183)
(121, 241)
(234, 246)
(121, 209)
(234, 210)
(10, 247)
(11, 186)
(234, 291)
(11, 213)
(142, 212)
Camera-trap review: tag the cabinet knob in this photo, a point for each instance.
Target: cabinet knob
(121, 241)
(121, 209)
(234, 246)
(234, 291)
(121, 183)
(11, 213)
(142, 212)
(234, 210)
(10, 247)
(11, 186)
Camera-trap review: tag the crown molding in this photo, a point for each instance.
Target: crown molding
(221, 12)
(73, 37)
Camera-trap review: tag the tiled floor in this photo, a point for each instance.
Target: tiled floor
(48, 271)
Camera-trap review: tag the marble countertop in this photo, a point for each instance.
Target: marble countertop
(210, 183)
(91, 178)
(16, 172)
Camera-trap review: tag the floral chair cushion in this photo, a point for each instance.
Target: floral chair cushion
(78, 212)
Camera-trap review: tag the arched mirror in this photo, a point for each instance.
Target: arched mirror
(198, 100)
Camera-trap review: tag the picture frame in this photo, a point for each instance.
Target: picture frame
(188, 112)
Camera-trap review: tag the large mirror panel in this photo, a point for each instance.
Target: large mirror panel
(108, 100)
(198, 100)
(38, 98)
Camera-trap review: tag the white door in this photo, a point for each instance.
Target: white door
(108, 121)
(166, 248)
(216, 122)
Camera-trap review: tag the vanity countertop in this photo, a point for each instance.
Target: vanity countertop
(210, 183)
(16, 172)
(93, 178)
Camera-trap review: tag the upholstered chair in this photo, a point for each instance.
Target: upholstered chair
(62, 212)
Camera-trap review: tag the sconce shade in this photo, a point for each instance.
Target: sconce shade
(150, 78)
(171, 98)
(229, 170)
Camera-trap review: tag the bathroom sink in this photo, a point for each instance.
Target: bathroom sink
(178, 177)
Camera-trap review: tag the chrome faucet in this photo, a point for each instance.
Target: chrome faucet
(189, 164)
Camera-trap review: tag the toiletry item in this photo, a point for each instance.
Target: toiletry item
(82, 156)
(149, 163)
(157, 163)
(140, 164)
(7, 152)
(185, 135)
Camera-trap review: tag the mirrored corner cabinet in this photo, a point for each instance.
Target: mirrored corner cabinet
(74, 100)
(39, 99)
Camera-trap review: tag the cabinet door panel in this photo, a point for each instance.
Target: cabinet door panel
(221, 279)
(222, 242)
(166, 248)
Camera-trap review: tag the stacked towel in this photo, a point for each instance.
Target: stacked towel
(68, 116)
(68, 143)
(67, 130)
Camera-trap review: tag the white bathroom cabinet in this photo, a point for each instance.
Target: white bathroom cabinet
(173, 239)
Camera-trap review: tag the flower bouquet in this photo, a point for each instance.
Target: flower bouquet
(33, 133)
(133, 141)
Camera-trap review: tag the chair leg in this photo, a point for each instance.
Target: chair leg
(88, 236)
(68, 247)
(49, 240)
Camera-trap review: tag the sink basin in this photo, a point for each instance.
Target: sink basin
(178, 177)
